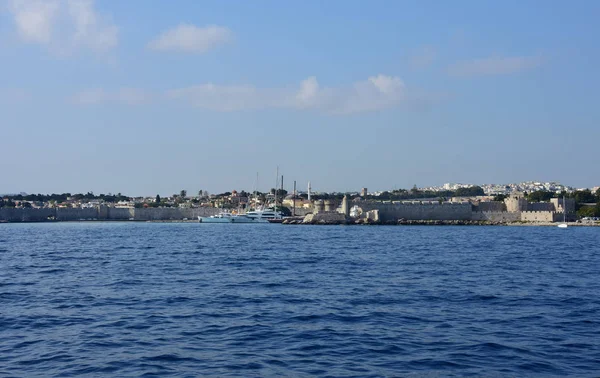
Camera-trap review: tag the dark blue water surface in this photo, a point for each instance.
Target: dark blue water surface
(188, 299)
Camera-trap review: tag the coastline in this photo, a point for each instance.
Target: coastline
(350, 222)
(334, 222)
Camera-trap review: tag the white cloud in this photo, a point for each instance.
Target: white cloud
(34, 19)
(375, 93)
(387, 84)
(309, 89)
(191, 39)
(494, 66)
(63, 25)
(90, 29)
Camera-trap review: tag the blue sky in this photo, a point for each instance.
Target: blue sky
(154, 97)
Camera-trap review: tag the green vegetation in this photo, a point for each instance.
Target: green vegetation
(589, 211)
(541, 196)
(469, 192)
(415, 193)
(64, 196)
(584, 196)
(500, 197)
(7, 203)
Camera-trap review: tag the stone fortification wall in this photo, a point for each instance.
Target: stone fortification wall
(419, 211)
(120, 213)
(26, 215)
(103, 213)
(541, 206)
(170, 213)
(159, 213)
(496, 216)
(67, 214)
(302, 211)
(538, 216)
(495, 206)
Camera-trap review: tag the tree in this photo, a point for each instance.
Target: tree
(157, 199)
(598, 195)
(500, 197)
(469, 192)
(540, 196)
(589, 211)
(183, 193)
(584, 196)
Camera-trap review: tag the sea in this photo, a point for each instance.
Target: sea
(129, 299)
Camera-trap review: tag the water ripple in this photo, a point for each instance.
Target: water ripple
(167, 299)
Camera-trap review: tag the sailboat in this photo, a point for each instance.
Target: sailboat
(564, 223)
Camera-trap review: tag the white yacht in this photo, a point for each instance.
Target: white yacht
(226, 217)
(264, 215)
(254, 216)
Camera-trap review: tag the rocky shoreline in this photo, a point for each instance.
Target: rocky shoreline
(407, 222)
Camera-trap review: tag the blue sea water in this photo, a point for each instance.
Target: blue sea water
(187, 299)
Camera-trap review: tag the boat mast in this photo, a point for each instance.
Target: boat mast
(276, 182)
(256, 191)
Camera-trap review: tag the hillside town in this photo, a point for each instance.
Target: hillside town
(586, 199)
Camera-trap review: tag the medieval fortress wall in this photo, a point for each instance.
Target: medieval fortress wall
(513, 209)
(103, 213)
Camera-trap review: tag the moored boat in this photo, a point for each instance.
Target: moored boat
(264, 215)
(226, 217)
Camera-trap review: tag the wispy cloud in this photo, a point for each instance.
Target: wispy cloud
(423, 58)
(375, 93)
(378, 92)
(494, 66)
(63, 25)
(191, 39)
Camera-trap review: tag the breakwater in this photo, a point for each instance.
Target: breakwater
(103, 213)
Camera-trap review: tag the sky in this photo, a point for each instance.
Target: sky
(154, 97)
